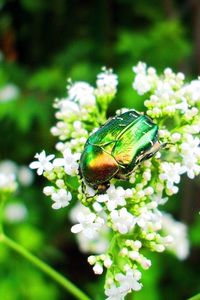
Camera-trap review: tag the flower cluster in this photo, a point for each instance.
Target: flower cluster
(9, 92)
(12, 175)
(21, 173)
(120, 224)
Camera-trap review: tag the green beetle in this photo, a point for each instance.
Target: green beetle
(117, 147)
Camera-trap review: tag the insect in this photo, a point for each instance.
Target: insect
(116, 148)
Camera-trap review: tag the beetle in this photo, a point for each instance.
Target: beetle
(117, 147)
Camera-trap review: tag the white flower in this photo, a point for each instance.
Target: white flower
(108, 262)
(128, 282)
(190, 152)
(106, 83)
(170, 172)
(83, 93)
(67, 108)
(148, 215)
(178, 231)
(15, 212)
(192, 90)
(8, 167)
(43, 163)
(99, 243)
(69, 162)
(144, 78)
(25, 176)
(122, 220)
(114, 293)
(114, 197)
(48, 190)
(9, 92)
(8, 182)
(141, 85)
(98, 269)
(61, 198)
(89, 224)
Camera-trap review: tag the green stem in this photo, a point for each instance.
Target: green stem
(196, 297)
(61, 280)
(2, 200)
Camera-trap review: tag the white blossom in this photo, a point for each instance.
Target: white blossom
(43, 163)
(190, 152)
(114, 293)
(25, 176)
(67, 108)
(22, 173)
(99, 243)
(9, 92)
(83, 93)
(128, 282)
(125, 284)
(192, 90)
(15, 212)
(170, 172)
(122, 220)
(69, 162)
(178, 231)
(88, 224)
(8, 182)
(98, 269)
(143, 81)
(113, 198)
(106, 83)
(61, 198)
(131, 216)
(8, 167)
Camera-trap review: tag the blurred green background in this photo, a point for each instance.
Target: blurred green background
(42, 43)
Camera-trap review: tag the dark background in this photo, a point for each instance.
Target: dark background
(45, 42)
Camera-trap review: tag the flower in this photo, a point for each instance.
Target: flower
(98, 269)
(61, 198)
(178, 231)
(25, 176)
(192, 91)
(99, 243)
(43, 163)
(106, 83)
(89, 224)
(120, 224)
(128, 282)
(8, 167)
(144, 78)
(122, 220)
(9, 92)
(8, 182)
(170, 172)
(190, 151)
(113, 198)
(82, 93)
(69, 162)
(114, 293)
(15, 212)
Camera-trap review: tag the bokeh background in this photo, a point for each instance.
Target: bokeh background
(42, 43)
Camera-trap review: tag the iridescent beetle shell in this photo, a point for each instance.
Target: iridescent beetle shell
(117, 147)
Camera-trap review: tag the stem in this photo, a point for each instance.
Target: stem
(2, 199)
(61, 280)
(196, 297)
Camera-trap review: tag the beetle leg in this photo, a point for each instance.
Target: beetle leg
(121, 176)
